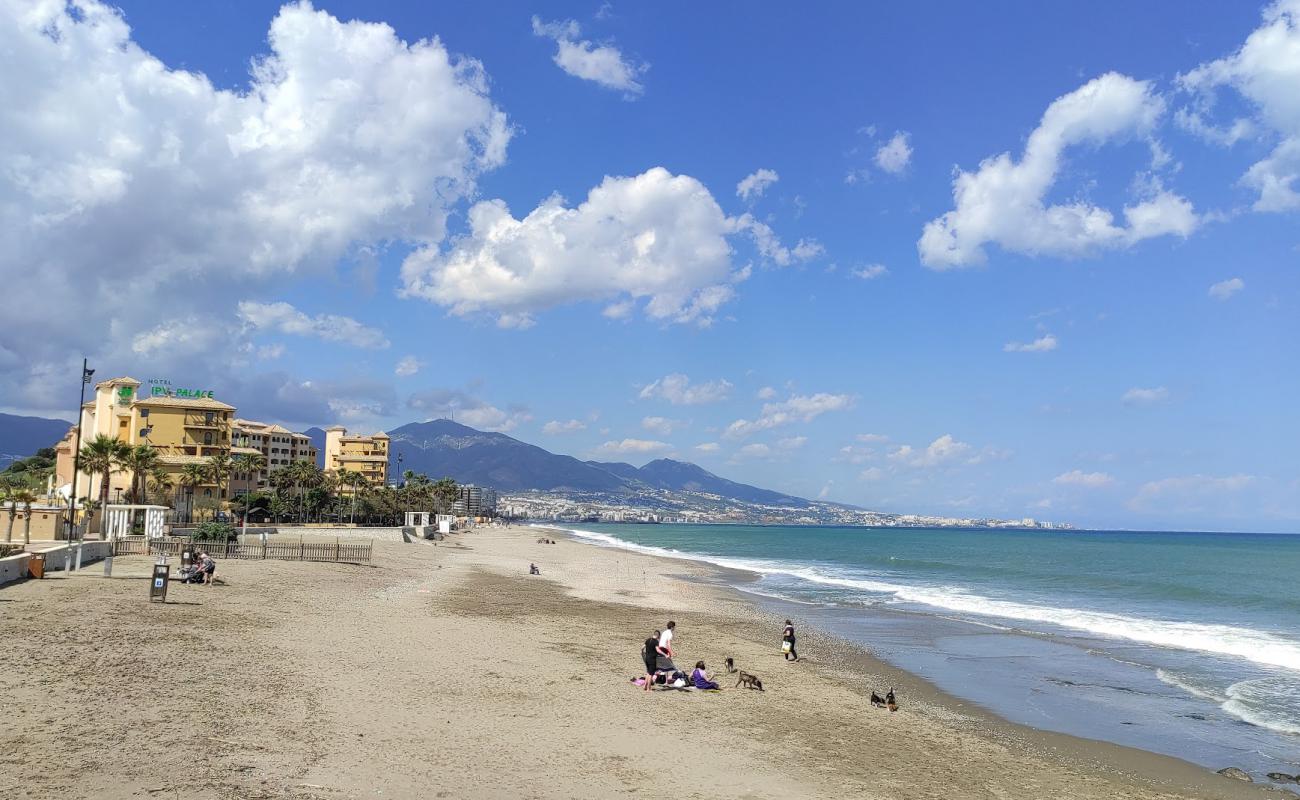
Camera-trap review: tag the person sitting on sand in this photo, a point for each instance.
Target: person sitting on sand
(207, 566)
(701, 678)
(533, 570)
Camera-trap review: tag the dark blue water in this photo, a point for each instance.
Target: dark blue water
(1183, 643)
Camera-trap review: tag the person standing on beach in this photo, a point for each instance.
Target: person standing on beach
(666, 639)
(787, 642)
(650, 653)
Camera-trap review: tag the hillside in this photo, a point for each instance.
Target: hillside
(21, 437)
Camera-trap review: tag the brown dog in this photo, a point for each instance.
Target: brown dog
(749, 681)
(890, 702)
(731, 665)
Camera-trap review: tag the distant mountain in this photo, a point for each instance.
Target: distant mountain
(318, 441)
(21, 437)
(445, 448)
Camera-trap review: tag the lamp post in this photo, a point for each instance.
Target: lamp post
(86, 375)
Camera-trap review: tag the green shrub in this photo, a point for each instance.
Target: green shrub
(213, 531)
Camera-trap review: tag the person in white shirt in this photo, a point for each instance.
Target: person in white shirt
(666, 638)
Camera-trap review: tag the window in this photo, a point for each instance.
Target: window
(209, 417)
(144, 412)
(207, 438)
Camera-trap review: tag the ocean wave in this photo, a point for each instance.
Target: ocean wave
(1272, 703)
(1258, 647)
(1189, 686)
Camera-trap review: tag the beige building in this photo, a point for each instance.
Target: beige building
(277, 444)
(367, 455)
(186, 426)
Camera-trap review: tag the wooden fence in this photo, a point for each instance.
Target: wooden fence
(336, 551)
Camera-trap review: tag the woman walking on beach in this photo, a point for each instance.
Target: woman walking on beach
(787, 642)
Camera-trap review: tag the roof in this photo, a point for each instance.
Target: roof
(123, 379)
(185, 402)
(248, 451)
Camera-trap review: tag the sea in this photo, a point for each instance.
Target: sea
(1186, 644)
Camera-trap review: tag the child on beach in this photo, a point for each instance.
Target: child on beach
(701, 678)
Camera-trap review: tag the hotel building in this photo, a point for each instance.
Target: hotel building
(367, 455)
(277, 444)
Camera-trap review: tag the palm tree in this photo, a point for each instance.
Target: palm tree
(302, 474)
(7, 495)
(356, 481)
(26, 497)
(104, 455)
(161, 483)
(219, 467)
(192, 476)
(140, 460)
(248, 465)
(445, 492)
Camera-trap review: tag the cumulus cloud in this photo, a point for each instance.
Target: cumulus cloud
(1226, 289)
(756, 450)
(654, 237)
(1089, 480)
(707, 447)
(409, 365)
(870, 272)
(1139, 396)
(284, 318)
(678, 390)
(753, 186)
(942, 451)
(766, 393)
(467, 409)
(602, 64)
(792, 442)
(798, 408)
(769, 246)
(556, 428)
(661, 425)
(633, 447)
(1003, 202)
(872, 474)
(343, 135)
(894, 155)
(871, 438)
(1043, 344)
(1265, 71)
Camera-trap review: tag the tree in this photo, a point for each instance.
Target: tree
(445, 492)
(26, 497)
(104, 455)
(161, 484)
(140, 460)
(356, 481)
(8, 494)
(192, 476)
(248, 465)
(302, 474)
(219, 467)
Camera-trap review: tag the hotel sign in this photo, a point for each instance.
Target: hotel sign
(160, 387)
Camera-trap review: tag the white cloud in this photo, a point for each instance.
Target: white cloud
(602, 64)
(467, 410)
(872, 474)
(1187, 493)
(871, 438)
(656, 237)
(1043, 344)
(1266, 71)
(1226, 289)
(770, 247)
(284, 318)
(766, 393)
(1138, 396)
(409, 365)
(753, 186)
(756, 450)
(1090, 480)
(870, 272)
(792, 442)
(943, 450)
(661, 425)
(343, 136)
(557, 428)
(894, 156)
(1003, 202)
(632, 447)
(707, 447)
(678, 390)
(270, 352)
(798, 408)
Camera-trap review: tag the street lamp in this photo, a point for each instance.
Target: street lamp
(86, 375)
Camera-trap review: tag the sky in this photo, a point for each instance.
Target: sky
(949, 258)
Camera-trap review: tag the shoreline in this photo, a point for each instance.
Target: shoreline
(867, 667)
(446, 670)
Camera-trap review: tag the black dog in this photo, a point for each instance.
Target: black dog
(731, 665)
(877, 700)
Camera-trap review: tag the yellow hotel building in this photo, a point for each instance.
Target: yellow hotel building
(365, 454)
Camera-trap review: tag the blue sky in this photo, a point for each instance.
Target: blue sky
(1101, 328)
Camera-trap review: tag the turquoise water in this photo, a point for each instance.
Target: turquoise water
(1185, 643)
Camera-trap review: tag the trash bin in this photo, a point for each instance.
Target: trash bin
(36, 565)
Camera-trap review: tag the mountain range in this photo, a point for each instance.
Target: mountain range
(21, 437)
(442, 447)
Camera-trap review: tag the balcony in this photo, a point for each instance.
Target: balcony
(203, 421)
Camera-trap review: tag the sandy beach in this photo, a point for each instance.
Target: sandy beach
(445, 670)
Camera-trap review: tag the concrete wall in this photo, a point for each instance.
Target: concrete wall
(13, 568)
(389, 534)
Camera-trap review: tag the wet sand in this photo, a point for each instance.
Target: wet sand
(447, 671)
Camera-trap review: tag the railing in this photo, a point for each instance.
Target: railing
(335, 552)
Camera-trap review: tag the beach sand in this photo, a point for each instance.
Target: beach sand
(445, 670)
